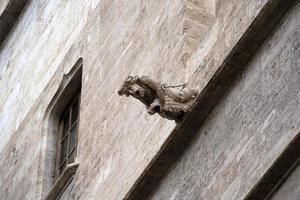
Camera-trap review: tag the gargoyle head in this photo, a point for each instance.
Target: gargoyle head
(132, 87)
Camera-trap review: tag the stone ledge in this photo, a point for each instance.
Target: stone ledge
(10, 10)
(63, 181)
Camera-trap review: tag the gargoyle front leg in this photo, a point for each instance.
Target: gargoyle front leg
(154, 107)
(155, 86)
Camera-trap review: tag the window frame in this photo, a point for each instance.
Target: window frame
(69, 86)
(59, 166)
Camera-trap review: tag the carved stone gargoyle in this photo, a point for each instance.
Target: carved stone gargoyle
(158, 97)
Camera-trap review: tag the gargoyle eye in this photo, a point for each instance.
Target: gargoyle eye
(137, 93)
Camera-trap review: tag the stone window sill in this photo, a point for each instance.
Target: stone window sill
(63, 181)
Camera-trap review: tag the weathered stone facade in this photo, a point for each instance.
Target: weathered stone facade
(237, 138)
(248, 129)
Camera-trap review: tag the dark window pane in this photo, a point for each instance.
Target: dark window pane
(72, 156)
(66, 124)
(68, 139)
(64, 147)
(62, 166)
(74, 112)
(73, 138)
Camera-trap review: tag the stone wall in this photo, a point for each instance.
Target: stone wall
(117, 139)
(173, 41)
(248, 130)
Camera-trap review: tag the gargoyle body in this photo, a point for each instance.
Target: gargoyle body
(158, 97)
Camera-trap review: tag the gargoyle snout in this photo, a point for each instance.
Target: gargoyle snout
(121, 92)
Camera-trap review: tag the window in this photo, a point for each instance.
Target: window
(62, 125)
(67, 134)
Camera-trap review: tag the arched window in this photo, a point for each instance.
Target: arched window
(63, 114)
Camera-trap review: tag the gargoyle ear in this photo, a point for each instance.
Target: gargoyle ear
(129, 78)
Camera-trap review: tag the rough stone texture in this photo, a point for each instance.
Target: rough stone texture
(278, 173)
(248, 130)
(117, 139)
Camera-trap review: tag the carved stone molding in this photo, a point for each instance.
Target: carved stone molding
(63, 181)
